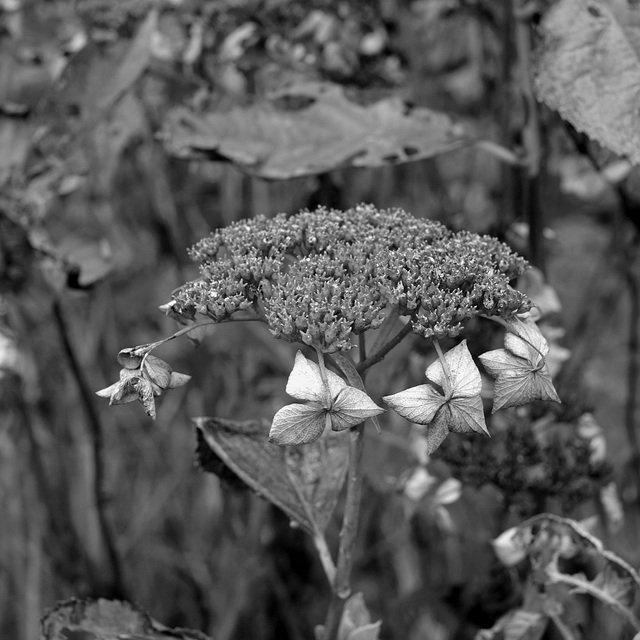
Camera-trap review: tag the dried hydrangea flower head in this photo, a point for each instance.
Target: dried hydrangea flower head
(320, 276)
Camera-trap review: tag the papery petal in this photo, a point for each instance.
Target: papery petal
(298, 424)
(157, 370)
(466, 381)
(305, 381)
(351, 407)
(417, 404)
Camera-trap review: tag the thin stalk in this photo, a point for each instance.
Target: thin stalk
(532, 141)
(97, 441)
(348, 534)
(633, 376)
(445, 367)
(382, 352)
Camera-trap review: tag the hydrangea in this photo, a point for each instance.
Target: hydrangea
(320, 276)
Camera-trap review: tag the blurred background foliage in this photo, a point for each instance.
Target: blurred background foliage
(101, 195)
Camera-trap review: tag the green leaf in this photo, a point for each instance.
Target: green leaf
(457, 408)
(297, 424)
(587, 67)
(520, 370)
(274, 142)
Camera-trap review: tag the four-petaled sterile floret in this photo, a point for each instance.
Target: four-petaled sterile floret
(318, 277)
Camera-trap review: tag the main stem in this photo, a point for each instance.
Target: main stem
(348, 533)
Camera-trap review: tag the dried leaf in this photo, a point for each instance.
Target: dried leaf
(587, 67)
(319, 470)
(517, 624)
(305, 382)
(355, 617)
(157, 370)
(105, 620)
(273, 142)
(245, 449)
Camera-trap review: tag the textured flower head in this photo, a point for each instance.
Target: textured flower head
(318, 277)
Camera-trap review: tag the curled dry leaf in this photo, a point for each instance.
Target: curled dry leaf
(142, 378)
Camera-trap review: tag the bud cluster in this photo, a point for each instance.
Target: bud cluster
(319, 276)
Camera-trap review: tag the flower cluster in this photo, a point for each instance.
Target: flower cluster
(318, 276)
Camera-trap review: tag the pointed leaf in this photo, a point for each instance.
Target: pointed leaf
(298, 424)
(525, 340)
(107, 392)
(417, 404)
(351, 407)
(305, 381)
(466, 381)
(245, 449)
(369, 631)
(319, 470)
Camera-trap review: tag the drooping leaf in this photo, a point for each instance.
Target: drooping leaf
(587, 67)
(520, 370)
(297, 424)
(546, 538)
(158, 371)
(245, 449)
(105, 620)
(274, 142)
(351, 407)
(319, 470)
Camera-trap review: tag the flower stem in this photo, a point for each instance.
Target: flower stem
(382, 352)
(448, 386)
(348, 534)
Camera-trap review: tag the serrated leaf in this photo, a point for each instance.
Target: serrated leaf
(319, 470)
(243, 446)
(587, 67)
(297, 424)
(351, 407)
